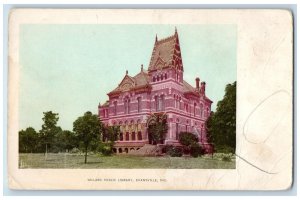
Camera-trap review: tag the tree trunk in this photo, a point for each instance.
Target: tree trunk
(46, 151)
(85, 157)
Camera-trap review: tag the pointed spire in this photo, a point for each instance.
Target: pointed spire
(156, 38)
(175, 30)
(126, 72)
(142, 67)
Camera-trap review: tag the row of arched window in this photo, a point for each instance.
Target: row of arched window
(186, 107)
(126, 122)
(127, 105)
(130, 136)
(159, 77)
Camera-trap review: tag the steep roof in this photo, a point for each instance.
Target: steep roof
(187, 87)
(166, 53)
(141, 78)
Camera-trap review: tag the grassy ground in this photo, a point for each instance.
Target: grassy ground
(126, 162)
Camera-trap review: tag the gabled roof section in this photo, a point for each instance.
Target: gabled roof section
(141, 78)
(166, 53)
(128, 83)
(105, 104)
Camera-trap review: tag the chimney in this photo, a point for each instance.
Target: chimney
(203, 87)
(197, 83)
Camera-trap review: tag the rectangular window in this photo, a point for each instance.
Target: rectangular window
(139, 135)
(139, 104)
(127, 106)
(177, 135)
(160, 103)
(156, 103)
(115, 108)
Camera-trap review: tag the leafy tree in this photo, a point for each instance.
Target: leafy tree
(28, 140)
(110, 133)
(49, 130)
(158, 129)
(221, 125)
(65, 141)
(87, 129)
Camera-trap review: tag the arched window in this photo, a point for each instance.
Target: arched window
(115, 108)
(156, 103)
(201, 110)
(166, 76)
(157, 78)
(161, 102)
(194, 109)
(133, 136)
(162, 77)
(127, 105)
(177, 131)
(207, 112)
(139, 135)
(139, 104)
(121, 136)
(154, 79)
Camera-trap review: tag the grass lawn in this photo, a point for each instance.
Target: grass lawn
(72, 161)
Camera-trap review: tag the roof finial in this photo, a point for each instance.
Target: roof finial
(142, 67)
(126, 72)
(156, 38)
(175, 30)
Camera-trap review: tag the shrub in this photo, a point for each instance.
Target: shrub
(224, 149)
(196, 150)
(226, 158)
(75, 150)
(174, 151)
(106, 149)
(187, 138)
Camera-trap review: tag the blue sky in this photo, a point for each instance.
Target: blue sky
(69, 69)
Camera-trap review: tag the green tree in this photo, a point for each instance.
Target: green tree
(65, 141)
(87, 129)
(221, 125)
(158, 129)
(49, 130)
(28, 139)
(110, 133)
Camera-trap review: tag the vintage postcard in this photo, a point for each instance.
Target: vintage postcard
(141, 99)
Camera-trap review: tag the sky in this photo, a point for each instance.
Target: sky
(69, 69)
